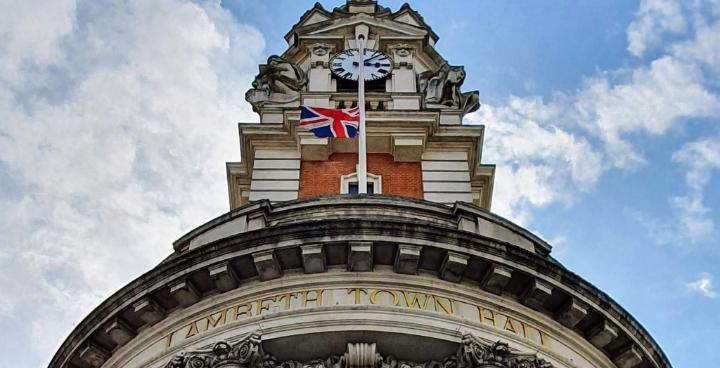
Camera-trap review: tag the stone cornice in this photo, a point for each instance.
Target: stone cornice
(441, 236)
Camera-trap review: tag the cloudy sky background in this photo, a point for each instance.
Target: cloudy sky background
(116, 119)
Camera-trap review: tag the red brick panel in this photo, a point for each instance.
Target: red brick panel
(323, 177)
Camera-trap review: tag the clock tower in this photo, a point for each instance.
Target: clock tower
(417, 146)
(417, 273)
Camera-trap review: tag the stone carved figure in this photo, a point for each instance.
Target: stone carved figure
(279, 81)
(402, 49)
(321, 49)
(442, 87)
(248, 353)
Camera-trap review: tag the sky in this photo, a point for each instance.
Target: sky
(117, 118)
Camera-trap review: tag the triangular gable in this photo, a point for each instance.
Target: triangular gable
(315, 17)
(407, 15)
(408, 19)
(394, 26)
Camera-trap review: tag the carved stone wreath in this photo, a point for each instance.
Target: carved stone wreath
(247, 352)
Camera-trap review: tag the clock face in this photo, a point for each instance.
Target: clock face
(346, 64)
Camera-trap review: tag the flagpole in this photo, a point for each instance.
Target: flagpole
(362, 139)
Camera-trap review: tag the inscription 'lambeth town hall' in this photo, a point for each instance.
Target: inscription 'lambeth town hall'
(355, 296)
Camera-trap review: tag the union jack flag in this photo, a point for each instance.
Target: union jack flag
(330, 123)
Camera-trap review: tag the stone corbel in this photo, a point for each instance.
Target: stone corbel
(224, 276)
(602, 334)
(407, 259)
(496, 278)
(149, 310)
(407, 148)
(536, 293)
(313, 148)
(313, 258)
(628, 357)
(360, 257)
(572, 313)
(185, 292)
(453, 266)
(267, 265)
(94, 355)
(120, 332)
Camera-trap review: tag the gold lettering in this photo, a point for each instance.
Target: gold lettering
(525, 330)
(357, 292)
(396, 301)
(211, 321)
(168, 339)
(509, 322)
(262, 304)
(317, 299)
(483, 317)
(247, 312)
(287, 299)
(447, 310)
(416, 300)
(192, 331)
(542, 337)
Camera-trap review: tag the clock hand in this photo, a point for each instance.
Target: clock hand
(376, 56)
(355, 63)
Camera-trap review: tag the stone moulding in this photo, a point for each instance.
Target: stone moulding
(248, 353)
(387, 207)
(494, 267)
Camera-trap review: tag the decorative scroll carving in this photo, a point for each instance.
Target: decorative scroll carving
(279, 81)
(248, 353)
(442, 87)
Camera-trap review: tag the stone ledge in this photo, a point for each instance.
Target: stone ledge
(474, 244)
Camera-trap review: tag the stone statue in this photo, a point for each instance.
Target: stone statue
(279, 81)
(442, 87)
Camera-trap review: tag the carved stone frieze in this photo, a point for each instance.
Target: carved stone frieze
(441, 89)
(247, 352)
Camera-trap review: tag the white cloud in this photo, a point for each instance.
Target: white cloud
(30, 32)
(701, 158)
(538, 162)
(654, 18)
(552, 152)
(114, 147)
(703, 286)
(652, 101)
(692, 221)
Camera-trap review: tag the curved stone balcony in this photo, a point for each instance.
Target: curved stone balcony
(388, 243)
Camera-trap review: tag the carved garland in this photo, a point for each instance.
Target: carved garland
(248, 353)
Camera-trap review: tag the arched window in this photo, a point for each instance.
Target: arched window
(349, 184)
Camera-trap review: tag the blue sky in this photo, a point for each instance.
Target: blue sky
(116, 119)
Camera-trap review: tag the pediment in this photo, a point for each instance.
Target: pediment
(316, 16)
(408, 18)
(389, 26)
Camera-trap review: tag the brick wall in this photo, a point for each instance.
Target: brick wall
(323, 177)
